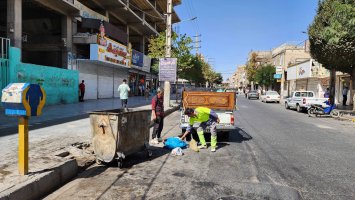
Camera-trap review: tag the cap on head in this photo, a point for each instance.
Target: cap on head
(189, 111)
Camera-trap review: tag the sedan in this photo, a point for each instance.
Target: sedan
(270, 96)
(253, 94)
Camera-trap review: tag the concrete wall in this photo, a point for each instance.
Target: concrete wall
(61, 85)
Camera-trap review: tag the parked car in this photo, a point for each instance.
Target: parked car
(253, 94)
(302, 100)
(270, 96)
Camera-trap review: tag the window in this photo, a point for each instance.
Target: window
(297, 94)
(310, 94)
(303, 94)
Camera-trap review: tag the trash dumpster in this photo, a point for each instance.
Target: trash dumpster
(119, 133)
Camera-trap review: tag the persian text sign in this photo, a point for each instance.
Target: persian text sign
(167, 69)
(109, 51)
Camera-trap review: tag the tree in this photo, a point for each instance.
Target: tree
(252, 67)
(332, 37)
(265, 75)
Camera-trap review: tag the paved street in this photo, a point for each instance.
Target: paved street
(273, 154)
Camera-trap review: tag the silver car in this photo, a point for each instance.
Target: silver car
(253, 94)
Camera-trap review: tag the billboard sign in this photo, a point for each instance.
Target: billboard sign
(167, 69)
(137, 58)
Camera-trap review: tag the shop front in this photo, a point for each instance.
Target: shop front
(308, 76)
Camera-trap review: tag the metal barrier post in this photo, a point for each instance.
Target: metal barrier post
(23, 145)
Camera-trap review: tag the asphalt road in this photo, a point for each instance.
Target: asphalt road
(273, 154)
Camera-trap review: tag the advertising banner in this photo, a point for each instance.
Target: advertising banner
(137, 58)
(147, 62)
(109, 51)
(167, 69)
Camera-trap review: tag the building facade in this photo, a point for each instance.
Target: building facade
(104, 41)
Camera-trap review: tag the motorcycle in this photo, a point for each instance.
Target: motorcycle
(318, 111)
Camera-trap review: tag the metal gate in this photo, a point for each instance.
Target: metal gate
(4, 61)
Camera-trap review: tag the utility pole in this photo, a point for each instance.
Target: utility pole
(197, 42)
(168, 50)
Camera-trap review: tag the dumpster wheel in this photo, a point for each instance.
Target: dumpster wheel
(149, 153)
(120, 162)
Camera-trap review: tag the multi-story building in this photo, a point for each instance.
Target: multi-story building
(99, 41)
(284, 56)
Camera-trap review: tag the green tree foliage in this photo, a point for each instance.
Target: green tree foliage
(332, 34)
(252, 67)
(265, 75)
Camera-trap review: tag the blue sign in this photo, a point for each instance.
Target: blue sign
(167, 69)
(137, 58)
(23, 99)
(277, 76)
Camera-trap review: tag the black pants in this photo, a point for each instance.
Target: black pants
(81, 96)
(158, 127)
(345, 98)
(124, 103)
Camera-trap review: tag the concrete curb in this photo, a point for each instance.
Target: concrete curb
(45, 183)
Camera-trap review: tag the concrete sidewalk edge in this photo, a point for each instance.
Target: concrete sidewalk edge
(50, 180)
(43, 184)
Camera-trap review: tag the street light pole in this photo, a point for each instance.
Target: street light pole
(168, 50)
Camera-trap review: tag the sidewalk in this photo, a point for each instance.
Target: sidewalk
(70, 111)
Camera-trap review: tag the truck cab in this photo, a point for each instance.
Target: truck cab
(301, 100)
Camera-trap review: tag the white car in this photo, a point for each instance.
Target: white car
(270, 96)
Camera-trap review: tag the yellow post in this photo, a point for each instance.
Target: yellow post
(23, 145)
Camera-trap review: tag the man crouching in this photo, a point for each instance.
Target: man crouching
(200, 118)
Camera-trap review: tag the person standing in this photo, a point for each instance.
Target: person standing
(345, 95)
(201, 118)
(82, 91)
(327, 93)
(123, 89)
(158, 115)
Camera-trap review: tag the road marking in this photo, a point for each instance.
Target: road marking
(323, 126)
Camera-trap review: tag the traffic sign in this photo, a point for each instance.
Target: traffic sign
(277, 76)
(278, 70)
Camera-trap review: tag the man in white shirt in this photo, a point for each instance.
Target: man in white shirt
(124, 89)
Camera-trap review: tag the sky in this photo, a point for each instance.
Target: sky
(230, 29)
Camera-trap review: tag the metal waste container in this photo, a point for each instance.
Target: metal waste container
(119, 133)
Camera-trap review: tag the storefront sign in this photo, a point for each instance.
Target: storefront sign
(277, 76)
(147, 61)
(109, 51)
(167, 69)
(278, 70)
(300, 71)
(137, 58)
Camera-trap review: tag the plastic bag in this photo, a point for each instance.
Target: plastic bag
(177, 152)
(173, 142)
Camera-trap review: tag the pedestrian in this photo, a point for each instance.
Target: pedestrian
(200, 118)
(146, 93)
(327, 93)
(82, 91)
(158, 115)
(123, 89)
(345, 95)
